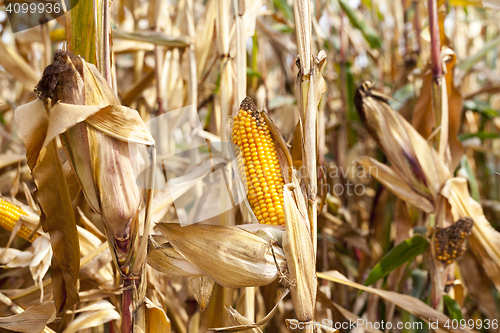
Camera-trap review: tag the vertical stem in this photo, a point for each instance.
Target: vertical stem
(128, 304)
(417, 24)
(106, 61)
(437, 70)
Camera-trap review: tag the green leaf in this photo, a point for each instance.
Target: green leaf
(471, 177)
(453, 308)
(400, 254)
(285, 8)
(473, 59)
(368, 32)
(481, 135)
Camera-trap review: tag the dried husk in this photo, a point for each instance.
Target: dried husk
(202, 288)
(300, 258)
(232, 257)
(484, 240)
(54, 199)
(410, 155)
(166, 259)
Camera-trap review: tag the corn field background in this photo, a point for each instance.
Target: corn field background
(129, 201)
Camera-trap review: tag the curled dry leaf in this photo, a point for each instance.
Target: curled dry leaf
(100, 138)
(412, 158)
(232, 257)
(54, 199)
(484, 240)
(33, 319)
(236, 319)
(300, 258)
(411, 304)
(166, 259)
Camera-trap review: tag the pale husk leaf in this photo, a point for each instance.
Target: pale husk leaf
(53, 195)
(33, 319)
(409, 153)
(484, 240)
(232, 257)
(411, 304)
(202, 288)
(396, 184)
(92, 319)
(164, 258)
(300, 258)
(116, 121)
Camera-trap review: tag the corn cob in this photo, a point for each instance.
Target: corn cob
(258, 164)
(9, 215)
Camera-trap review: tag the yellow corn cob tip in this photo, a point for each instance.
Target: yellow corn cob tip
(9, 215)
(258, 164)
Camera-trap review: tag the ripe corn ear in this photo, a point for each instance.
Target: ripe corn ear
(258, 164)
(9, 215)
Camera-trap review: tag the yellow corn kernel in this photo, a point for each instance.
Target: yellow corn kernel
(9, 215)
(260, 164)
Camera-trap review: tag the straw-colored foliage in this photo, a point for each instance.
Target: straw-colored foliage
(251, 166)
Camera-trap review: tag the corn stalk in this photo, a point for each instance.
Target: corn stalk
(309, 88)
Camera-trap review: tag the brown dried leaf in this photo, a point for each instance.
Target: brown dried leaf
(300, 258)
(395, 184)
(57, 218)
(484, 240)
(202, 288)
(410, 155)
(33, 319)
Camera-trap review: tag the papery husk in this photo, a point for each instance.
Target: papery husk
(53, 196)
(484, 240)
(410, 155)
(166, 259)
(232, 257)
(235, 318)
(300, 258)
(100, 137)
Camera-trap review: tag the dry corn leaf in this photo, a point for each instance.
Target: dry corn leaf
(281, 293)
(235, 319)
(116, 121)
(17, 66)
(232, 257)
(477, 283)
(346, 313)
(92, 319)
(410, 155)
(202, 288)
(423, 118)
(484, 240)
(33, 319)
(53, 195)
(300, 258)
(156, 319)
(395, 184)
(164, 258)
(411, 304)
